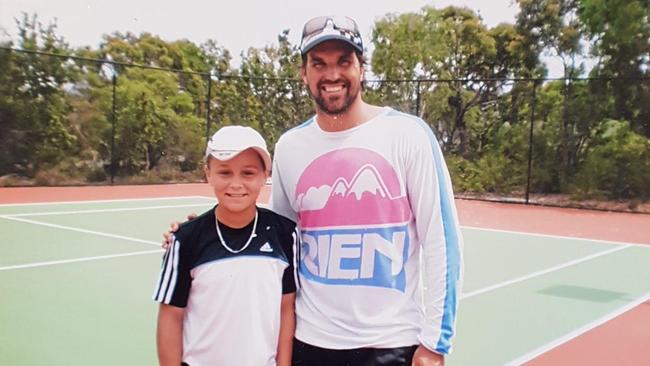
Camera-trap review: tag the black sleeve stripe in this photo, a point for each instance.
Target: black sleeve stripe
(172, 282)
(163, 266)
(168, 274)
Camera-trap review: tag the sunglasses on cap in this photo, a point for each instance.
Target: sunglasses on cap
(325, 28)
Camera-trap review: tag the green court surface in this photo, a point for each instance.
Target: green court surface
(76, 283)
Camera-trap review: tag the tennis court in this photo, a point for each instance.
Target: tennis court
(76, 279)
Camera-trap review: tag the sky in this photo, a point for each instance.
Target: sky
(234, 24)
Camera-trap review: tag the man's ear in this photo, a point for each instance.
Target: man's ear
(303, 75)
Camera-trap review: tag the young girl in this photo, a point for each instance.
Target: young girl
(227, 282)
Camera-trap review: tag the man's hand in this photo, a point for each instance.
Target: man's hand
(424, 357)
(167, 235)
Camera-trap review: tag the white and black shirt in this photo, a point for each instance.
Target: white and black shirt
(231, 300)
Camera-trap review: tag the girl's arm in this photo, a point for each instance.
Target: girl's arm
(170, 335)
(287, 328)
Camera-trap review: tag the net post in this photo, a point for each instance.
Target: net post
(113, 121)
(530, 139)
(208, 102)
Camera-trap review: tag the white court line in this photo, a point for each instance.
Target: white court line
(558, 267)
(103, 210)
(265, 205)
(577, 332)
(463, 296)
(102, 201)
(556, 236)
(112, 236)
(75, 260)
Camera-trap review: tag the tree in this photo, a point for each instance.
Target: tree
(452, 45)
(34, 109)
(617, 164)
(405, 48)
(159, 113)
(273, 98)
(620, 33)
(553, 26)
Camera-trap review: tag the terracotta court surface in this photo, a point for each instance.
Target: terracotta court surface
(543, 285)
(625, 227)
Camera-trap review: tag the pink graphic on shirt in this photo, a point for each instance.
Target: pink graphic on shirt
(350, 187)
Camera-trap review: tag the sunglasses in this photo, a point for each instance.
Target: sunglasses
(341, 23)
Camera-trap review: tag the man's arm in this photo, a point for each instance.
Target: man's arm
(169, 336)
(173, 227)
(431, 196)
(287, 328)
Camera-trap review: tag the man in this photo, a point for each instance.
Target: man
(380, 261)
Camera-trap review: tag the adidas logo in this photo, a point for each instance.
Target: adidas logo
(266, 248)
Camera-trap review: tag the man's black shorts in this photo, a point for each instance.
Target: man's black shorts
(307, 355)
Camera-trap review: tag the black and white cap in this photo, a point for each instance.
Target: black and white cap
(326, 28)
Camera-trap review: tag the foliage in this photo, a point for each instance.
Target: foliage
(478, 87)
(33, 108)
(617, 164)
(273, 101)
(454, 45)
(620, 33)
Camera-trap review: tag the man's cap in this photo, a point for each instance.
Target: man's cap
(326, 28)
(229, 141)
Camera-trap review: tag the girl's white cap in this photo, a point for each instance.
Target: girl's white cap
(229, 141)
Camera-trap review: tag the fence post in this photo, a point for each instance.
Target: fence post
(113, 120)
(208, 102)
(530, 139)
(417, 99)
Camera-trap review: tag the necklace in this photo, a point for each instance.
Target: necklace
(250, 238)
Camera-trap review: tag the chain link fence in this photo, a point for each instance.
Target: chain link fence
(97, 121)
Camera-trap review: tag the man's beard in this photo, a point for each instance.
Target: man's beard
(324, 106)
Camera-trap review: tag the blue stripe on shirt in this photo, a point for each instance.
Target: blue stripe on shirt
(304, 124)
(452, 242)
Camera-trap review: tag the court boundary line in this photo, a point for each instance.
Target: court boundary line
(578, 331)
(542, 272)
(77, 260)
(101, 201)
(266, 205)
(85, 231)
(462, 296)
(551, 236)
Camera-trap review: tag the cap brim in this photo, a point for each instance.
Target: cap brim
(225, 155)
(318, 39)
(266, 157)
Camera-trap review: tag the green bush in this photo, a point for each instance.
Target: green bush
(464, 174)
(97, 175)
(617, 164)
(493, 172)
(498, 173)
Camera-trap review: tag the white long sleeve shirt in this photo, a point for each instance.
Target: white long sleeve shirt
(380, 261)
